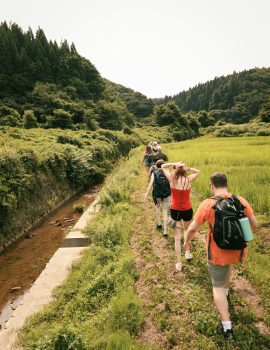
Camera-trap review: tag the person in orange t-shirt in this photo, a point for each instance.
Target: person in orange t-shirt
(219, 260)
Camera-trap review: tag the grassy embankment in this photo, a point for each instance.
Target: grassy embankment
(98, 307)
(39, 168)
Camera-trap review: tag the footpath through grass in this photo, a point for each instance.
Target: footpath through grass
(181, 304)
(125, 293)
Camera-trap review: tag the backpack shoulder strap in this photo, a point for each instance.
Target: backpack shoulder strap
(237, 200)
(216, 197)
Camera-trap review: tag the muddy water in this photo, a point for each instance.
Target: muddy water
(23, 262)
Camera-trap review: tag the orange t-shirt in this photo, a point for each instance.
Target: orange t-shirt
(219, 256)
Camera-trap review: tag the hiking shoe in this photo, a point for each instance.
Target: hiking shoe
(188, 255)
(159, 227)
(165, 234)
(179, 266)
(228, 335)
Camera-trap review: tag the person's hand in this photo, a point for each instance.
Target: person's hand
(180, 163)
(186, 245)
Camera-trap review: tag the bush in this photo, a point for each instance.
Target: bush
(79, 208)
(126, 312)
(127, 130)
(263, 132)
(30, 121)
(121, 341)
(60, 119)
(69, 139)
(108, 234)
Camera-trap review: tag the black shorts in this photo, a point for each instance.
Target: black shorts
(185, 215)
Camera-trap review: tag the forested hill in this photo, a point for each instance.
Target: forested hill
(46, 84)
(236, 98)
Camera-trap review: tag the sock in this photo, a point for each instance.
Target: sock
(226, 325)
(227, 291)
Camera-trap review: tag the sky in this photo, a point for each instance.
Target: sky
(157, 47)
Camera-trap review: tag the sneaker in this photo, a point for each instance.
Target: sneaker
(159, 227)
(165, 234)
(228, 335)
(178, 266)
(188, 255)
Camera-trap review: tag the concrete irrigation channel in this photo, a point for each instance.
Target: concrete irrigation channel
(27, 302)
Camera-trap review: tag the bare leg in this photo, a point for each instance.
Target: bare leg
(165, 218)
(177, 241)
(157, 206)
(221, 303)
(227, 285)
(186, 224)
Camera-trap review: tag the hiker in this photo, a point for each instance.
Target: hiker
(155, 147)
(161, 195)
(214, 210)
(148, 158)
(181, 207)
(159, 156)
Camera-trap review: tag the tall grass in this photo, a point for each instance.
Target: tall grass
(246, 162)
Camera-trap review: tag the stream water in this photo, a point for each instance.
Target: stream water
(23, 262)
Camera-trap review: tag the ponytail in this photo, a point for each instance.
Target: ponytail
(179, 171)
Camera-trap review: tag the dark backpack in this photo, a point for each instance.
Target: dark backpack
(161, 186)
(148, 159)
(227, 231)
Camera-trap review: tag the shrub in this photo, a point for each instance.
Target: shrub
(126, 312)
(79, 208)
(69, 139)
(127, 130)
(107, 233)
(60, 119)
(263, 132)
(30, 121)
(121, 341)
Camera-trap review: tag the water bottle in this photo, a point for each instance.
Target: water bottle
(246, 229)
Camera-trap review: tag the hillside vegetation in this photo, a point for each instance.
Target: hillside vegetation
(46, 84)
(50, 85)
(40, 168)
(236, 98)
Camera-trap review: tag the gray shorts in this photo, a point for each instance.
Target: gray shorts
(219, 274)
(165, 202)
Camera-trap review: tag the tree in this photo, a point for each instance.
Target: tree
(109, 116)
(264, 113)
(60, 119)
(90, 119)
(30, 121)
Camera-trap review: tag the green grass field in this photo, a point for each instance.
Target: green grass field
(125, 294)
(245, 160)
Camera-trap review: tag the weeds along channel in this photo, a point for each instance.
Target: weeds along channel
(41, 168)
(97, 307)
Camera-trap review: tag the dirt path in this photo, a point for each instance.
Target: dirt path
(158, 285)
(178, 306)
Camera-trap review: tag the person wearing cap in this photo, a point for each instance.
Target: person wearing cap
(155, 147)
